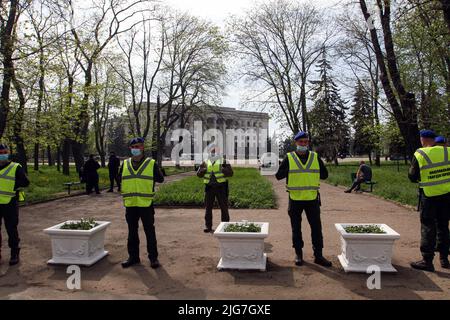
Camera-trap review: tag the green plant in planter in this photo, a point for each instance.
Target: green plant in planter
(364, 229)
(83, 224)
(242, 227)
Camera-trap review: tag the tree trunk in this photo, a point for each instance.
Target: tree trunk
(66, 157)
(51, 161)
(78, 154)
(404, 109)
(36, 156)
(446, 10)
(58, 159)
(6, 49)
(18, 121)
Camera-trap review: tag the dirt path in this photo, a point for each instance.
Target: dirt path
(189, 257)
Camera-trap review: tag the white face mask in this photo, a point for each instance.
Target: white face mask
(136, 152)
(302, 148)
(214, 156)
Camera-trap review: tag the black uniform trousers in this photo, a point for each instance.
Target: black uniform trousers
(92, 182)
(114, 176)
(217, 191)
(312, 210)
(9, 213)
(434, 219)
(147, 215)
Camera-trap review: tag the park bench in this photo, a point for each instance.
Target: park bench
(367, 183)
(69, 185)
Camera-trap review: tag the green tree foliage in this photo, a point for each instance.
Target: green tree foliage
(329, 128)
(362, 121)
(421, 36)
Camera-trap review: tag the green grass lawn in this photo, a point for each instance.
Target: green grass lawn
(174, 170)
(47, 183)
(248, 189)
(391, 184)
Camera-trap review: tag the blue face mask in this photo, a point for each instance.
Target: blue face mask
(302, 148)
(136, 152)
(4, 157)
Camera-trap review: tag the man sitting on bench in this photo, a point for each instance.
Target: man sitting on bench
(364, 174)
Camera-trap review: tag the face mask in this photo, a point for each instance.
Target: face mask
(302, 148)
(136, 152)
(4, 157)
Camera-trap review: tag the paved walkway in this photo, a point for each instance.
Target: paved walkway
(189, 257)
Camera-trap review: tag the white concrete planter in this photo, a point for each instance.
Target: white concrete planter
(80, 247)
(361, 250)
(242, 250)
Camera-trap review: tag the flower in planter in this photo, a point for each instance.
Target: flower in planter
(242, 227)
(364, 229)
(83, 224)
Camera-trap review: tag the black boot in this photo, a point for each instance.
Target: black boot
(130, 261)
(298, 257)
(424, 264)
(14, 257)
(320, 260)
(154, 264)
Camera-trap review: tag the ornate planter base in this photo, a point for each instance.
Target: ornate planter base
(242, 250)
(80, 247)
(360, 251)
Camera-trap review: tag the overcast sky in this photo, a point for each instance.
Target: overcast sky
(218, 11)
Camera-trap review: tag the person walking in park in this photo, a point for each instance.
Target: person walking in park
(303, 170)
(430, 167)
(364, 174)
(12, 180)
(214, 172)
(113, 168)
(138, 177)
(90, 175)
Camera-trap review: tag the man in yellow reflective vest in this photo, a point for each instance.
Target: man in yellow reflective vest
(303, 170)
(430, 167)
(12, 178)
(138, 176)
(214, 172)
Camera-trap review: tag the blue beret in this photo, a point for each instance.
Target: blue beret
(427, 134)
(301, 134)
(3, 146)
(440, 139)
(136, 140)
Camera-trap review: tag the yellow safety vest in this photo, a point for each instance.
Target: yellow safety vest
(216, 169)
(303, 181)
(7, 182)
(434, 170)
(137, 186)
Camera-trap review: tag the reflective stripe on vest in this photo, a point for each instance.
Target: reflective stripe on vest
(303, 181)
(7, 183)
(215, 169)
(137, 186)
(434, 167)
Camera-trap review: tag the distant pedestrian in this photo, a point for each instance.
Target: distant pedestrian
(215, 171)
(113, 168)
(90, 175)
(364, 174)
